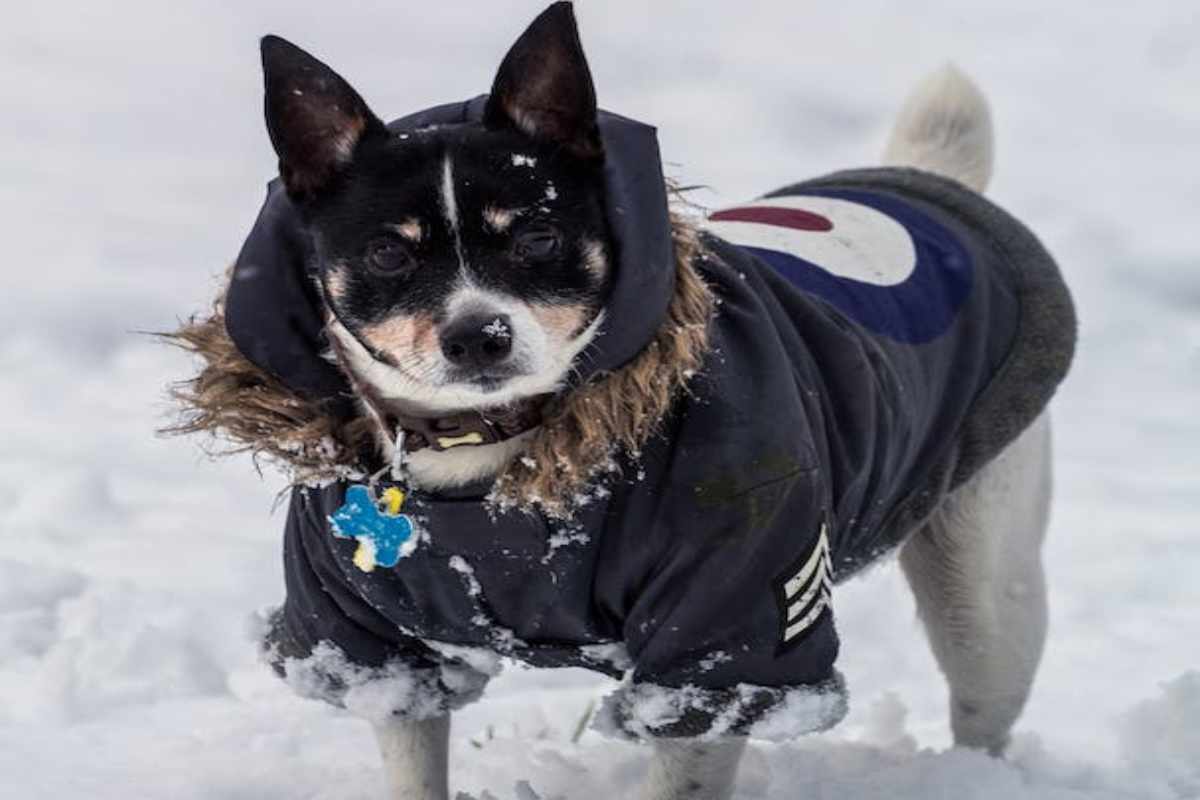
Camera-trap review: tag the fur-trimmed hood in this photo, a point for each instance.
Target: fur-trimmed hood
(275, 317)
(270, 387)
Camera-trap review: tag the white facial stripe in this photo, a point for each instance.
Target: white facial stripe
(450, 209)
(449, 203)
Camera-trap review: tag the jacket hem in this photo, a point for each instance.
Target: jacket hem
(396, 689)
(642, 711)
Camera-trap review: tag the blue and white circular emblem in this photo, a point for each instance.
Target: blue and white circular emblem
(884, 263)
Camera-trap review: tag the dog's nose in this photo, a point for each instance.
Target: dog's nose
(477, 340)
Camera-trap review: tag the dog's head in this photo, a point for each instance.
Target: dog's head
(465, 266)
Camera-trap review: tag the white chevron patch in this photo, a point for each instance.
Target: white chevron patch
(808, 592)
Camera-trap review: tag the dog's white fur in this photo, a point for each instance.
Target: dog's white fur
(416, 758)
(974, 567)
(945, 127)
(976, 571)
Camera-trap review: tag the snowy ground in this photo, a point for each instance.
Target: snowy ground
(132, 159)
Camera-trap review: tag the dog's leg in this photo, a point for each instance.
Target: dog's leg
(977, 575)
(415, 757)
(684, 769)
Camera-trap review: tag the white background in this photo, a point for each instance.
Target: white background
(132, 160)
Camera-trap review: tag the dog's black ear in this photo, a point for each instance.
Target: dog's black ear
(314, 117)
(544, 87)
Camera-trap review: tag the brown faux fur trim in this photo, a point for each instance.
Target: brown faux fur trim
(234, 400)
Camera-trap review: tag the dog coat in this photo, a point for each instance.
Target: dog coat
(880, 335)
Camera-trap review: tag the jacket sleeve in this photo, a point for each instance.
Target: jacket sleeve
(329, 644)
(734, 633)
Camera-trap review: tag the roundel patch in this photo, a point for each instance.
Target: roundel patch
(880, 261)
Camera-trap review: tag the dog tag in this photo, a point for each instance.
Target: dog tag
(384, 535)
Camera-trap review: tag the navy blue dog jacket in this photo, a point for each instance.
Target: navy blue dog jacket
(880, 335)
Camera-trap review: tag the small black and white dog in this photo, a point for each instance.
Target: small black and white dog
(466, 267)
(555, 421)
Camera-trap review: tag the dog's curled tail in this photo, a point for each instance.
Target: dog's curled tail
(945, 127)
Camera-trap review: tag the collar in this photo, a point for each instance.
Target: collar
(442, 433)
(467, 428)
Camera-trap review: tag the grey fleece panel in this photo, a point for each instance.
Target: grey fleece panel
(1042, 349)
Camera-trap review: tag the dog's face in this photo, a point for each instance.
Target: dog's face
(464, 266)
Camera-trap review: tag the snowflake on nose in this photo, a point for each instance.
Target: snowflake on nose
(496, 329)
(384, 535)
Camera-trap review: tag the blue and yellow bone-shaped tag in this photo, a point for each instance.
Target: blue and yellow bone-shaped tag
(376, 524)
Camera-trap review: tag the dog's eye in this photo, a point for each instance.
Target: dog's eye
(538, 243)
(389, 257)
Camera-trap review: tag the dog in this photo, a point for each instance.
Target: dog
(534, 412)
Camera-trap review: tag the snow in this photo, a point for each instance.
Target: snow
(133, 159)
(373, 694)
(714, 660)
(639, 710)
(612, 654)
(1161, 736)
(497, 329)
